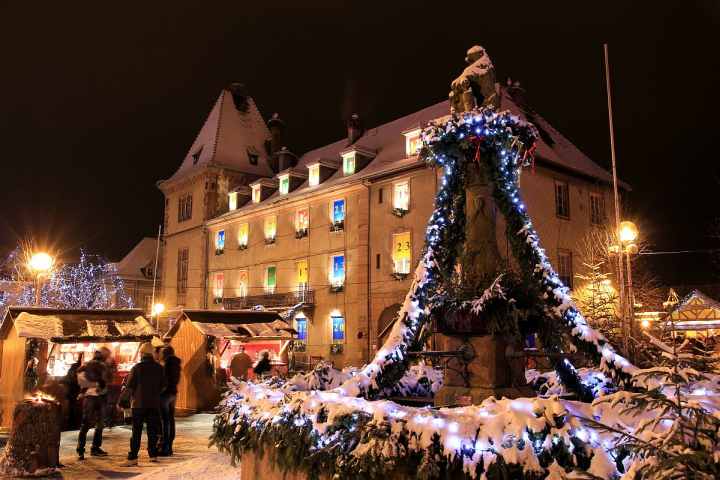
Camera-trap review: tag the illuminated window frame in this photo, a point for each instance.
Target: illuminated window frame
(302, 286)
(412, 142)
(256, 193)
(400, 208)
(338, 223)
(219, 242)
(401, 267)
(349, 163)
(314, 175)
(284, 187)
(270, 229)
(242, 286)
(338, 327)
(270, 289)
(218, 287)
(232, 201)
(337, 283)
(301, 324)
(302, 227)
(243, 235)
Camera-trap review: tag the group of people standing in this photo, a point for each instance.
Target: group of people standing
(150, 391)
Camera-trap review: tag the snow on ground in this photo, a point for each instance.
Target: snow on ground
(192, 460)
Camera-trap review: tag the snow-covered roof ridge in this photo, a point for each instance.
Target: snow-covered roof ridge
(137, 259)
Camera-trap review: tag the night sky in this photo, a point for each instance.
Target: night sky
(99, 101)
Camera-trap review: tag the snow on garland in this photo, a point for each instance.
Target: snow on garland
(331, 434)
(505, 143)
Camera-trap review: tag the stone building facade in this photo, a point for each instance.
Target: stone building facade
(339, 228)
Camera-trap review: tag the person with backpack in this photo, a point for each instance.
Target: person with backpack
(92, 378)
(145, 383)
(171, 367)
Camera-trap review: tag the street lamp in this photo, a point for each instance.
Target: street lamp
(627, 234)
(40, 264)
(157, 309)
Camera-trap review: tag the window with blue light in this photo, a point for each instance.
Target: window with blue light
(301, 327)
(338, 214)
(338, 328)
(337, 271)
(220, 242)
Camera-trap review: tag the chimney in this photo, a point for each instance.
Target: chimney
(354, 128)
(240, 96)
(277, 129)
(286, 159)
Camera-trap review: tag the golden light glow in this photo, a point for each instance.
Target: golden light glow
(628, 232)
(41, 262)
(158, 308)
(645, 323)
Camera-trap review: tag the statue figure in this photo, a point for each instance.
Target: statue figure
(476, 84)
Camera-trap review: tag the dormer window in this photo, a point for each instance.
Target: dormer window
(348, 163)
(196, 155)
(256, 193)
(232, 201)
(284, 184)
(314, 171)
(412, 142)
(252, 157)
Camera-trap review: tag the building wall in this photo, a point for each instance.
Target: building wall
(12, 368)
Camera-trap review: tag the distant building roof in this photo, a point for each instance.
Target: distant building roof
(388, 141)
(696, 311)
(140, 261)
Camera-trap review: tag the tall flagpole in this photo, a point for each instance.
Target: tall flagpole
(157, 256)
(621, 279)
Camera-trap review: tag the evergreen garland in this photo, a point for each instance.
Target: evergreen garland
(504, 144)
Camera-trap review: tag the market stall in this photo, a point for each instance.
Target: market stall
(207, 340)
(40, 345)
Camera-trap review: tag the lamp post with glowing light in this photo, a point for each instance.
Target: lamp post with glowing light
(627, 234)
(40, 265)
(157, 310)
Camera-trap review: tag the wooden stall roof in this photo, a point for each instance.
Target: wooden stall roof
(77, 326)
(696, 311)
(235, 323)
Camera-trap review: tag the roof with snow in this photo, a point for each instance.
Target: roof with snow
(553, 150)
(696, 311)
(140, 261)
(233, 131)
(76, 326)
(234, 323)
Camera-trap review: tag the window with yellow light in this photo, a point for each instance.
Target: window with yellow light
(270, 229)
(243, 235)
(401, 253)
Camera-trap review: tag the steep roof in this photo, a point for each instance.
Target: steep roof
(228, 134)
(137, 260)
(389, 144)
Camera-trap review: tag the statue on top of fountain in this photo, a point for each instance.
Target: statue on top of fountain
(475, 87)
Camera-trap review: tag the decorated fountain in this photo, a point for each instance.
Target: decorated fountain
(481, 306)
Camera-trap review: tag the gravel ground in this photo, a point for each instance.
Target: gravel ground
(192, 459)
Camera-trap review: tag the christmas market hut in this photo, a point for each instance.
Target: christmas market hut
(696, 315)
(207, 340)
(38, 346)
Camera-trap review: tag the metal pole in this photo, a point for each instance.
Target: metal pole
(626, 340)
(631, 299)
(37, 290)
(152, 303)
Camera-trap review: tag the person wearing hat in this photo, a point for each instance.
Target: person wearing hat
(146, 382)
(92, 378)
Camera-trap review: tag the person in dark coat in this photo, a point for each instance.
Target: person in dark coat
(72, 391)
(171, 366)
(263, 365)
(146, 381)
(92, 377)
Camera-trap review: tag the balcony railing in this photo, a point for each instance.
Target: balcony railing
(268, 300)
